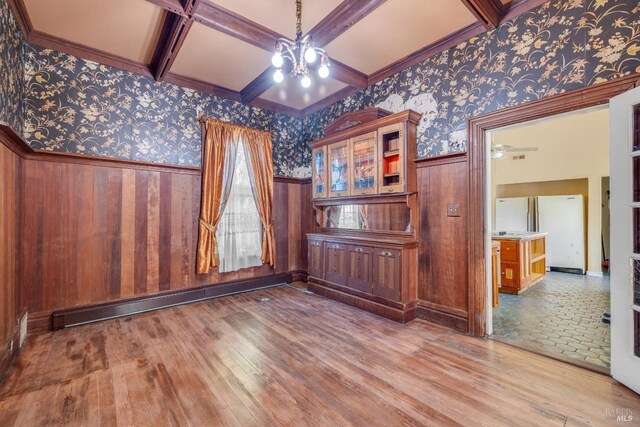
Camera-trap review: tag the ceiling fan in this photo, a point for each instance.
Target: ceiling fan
(498, 150)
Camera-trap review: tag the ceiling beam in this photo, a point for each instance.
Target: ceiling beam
(344, 16)
(345, 74)
(173, 6)
(485, 11)
(258, 86)
(190, 6)
(339, 71)
(174, 32)
(228, 22)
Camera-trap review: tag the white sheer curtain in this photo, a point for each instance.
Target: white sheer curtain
(239, 232)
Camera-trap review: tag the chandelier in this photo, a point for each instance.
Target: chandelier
(300, 53)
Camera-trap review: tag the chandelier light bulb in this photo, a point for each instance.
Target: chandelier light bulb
(278, 77)
(299, 54)
(323, 71)
(277, 60)
(310, 55)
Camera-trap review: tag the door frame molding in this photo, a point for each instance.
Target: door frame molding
(578, 99)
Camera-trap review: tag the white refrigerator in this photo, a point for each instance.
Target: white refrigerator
(563, 218)
(515, 214)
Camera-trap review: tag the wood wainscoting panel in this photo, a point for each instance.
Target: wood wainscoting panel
(442, 274)
(10, 174)
(96, 233)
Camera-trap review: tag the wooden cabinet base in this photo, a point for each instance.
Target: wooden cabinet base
(516, 291)
(398, 312)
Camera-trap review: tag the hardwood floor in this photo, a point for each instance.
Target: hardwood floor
(296, 359)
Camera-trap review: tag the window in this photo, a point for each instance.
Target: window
(239, 233)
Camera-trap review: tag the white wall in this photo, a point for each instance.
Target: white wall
(570, 146)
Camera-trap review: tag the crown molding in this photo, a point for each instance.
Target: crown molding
(278, 108)
(202, 86)
(21, 16)
(86, 52)
(426, 52)
(182, 13)
(329, 100)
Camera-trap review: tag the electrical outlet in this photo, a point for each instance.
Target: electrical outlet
(453, 209)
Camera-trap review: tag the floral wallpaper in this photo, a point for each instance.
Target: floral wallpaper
(560, 46)
(78, 106)
(11, 70)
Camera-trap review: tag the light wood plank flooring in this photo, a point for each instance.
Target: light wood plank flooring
(297, 359)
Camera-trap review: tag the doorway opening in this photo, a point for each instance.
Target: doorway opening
(547, 239)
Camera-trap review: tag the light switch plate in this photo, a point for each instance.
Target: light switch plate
(453, 209)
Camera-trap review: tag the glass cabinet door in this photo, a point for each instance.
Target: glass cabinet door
(319, 172)
(391, 146)
(363, 164)
(339, 169)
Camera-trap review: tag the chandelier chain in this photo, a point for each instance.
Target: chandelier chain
(299, 18)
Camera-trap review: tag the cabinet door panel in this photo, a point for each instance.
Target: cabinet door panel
(316, 259)
(319, 165)
(336, 263)
(364, 171)
(339, 170)
(387, 274)
(391, 152)
(510, 275)
(360, 268)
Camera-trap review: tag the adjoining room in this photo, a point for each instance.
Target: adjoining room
(550, 224)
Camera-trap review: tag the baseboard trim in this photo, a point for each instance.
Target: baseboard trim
(39, 321)
(94, 313)
(299, 276)
(398, 315)
(449, 320)
(10, 351)
(595, 273)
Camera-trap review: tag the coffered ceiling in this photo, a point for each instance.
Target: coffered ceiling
(224, 46)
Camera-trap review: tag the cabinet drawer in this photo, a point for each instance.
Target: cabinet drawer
(508, 251)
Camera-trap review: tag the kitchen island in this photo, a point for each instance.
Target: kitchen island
(522, 260)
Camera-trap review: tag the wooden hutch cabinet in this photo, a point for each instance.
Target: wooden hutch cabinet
(365, 201)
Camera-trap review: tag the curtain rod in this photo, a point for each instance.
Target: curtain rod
(203, 120)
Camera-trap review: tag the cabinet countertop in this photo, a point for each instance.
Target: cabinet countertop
(519, 235)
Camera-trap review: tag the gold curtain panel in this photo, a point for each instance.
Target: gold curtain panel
(221, 142)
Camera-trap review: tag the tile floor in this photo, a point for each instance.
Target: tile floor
(561, 314)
